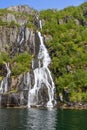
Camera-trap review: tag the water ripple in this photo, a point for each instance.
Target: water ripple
(35, 119)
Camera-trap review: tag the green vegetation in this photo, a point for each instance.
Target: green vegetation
(17, 15)
(3, 23)
(3, 12)
(21, 63)
(4, 57)
(68, 48)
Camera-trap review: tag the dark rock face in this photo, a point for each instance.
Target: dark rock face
(37, 44)
(25, 41)
(3, 70)
(17, 93)
(84, 23)
(37, 21)
(65, 94)
(10, 100)
(43, 95)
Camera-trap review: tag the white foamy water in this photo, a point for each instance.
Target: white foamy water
(42, 75)
(4, 82)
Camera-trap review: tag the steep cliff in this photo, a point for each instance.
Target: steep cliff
(24, 57)
(65, 36)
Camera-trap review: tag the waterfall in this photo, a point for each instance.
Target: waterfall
(40, 24)
(4, 83)
(29, 84)
(21, 36)
(43, 78)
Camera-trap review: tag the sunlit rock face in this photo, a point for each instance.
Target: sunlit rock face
(22, 8)
(36, 87)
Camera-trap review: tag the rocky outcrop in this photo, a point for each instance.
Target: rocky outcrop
(22, 9)
(14, 19)
(3, 70)
(25, 41)
(35, 87)
(60, 21)
(48, 38)
(9, 18)
(8, 36)
(9, 33)
(77, 22)
(17, 94)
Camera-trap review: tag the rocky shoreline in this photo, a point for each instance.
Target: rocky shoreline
(66, 106)
(73, 106)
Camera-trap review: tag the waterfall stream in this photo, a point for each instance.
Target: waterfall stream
(35, 88)
(4, 83)
(21, 36)
(42, 76)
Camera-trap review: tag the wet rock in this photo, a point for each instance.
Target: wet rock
(3, 70)
(25, 41)
(32, 78)
(37, 22)
(37, 44)
(4, 100)
(60, 97)
(66, 94)
(13, 100)
(43, 95)
(31, 42)
(23, 97)
(19, 82)
(17, 90)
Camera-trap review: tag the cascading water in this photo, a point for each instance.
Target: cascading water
(38, 84)
(21, 36)
(4, 82)
(42, 76)
(40, 22)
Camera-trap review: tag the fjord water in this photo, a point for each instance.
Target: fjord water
(36, 119)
